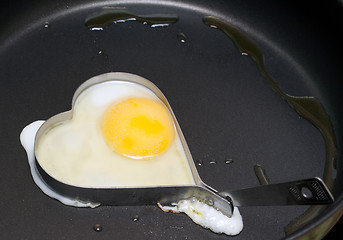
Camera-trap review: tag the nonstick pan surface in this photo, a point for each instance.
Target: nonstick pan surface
(230, 115)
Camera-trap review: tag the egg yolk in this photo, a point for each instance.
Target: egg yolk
(138, 128)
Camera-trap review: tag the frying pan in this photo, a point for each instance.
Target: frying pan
(230, 115)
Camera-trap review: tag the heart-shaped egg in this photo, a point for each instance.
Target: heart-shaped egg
(121, 134)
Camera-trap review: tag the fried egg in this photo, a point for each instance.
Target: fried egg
(121, 135)
(207, 216)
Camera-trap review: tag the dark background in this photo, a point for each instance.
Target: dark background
(336, 232)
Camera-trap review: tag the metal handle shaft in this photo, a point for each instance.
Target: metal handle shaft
(311, 191)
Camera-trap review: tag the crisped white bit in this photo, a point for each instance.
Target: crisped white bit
(208, 217)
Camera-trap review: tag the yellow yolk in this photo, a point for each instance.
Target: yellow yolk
(138, 128)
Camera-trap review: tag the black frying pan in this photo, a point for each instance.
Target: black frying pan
(225, 106)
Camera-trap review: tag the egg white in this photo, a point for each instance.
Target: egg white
(27, 139)
(207, 216)
(75, 151)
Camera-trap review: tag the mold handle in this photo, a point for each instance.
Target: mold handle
(311, 191)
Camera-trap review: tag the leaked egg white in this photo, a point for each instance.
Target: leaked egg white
(207, 216)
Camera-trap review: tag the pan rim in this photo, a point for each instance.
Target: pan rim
(338, 205)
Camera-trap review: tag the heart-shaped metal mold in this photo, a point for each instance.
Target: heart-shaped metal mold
(118, 195)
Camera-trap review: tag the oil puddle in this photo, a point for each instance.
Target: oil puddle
(306, 106)
(112, 15)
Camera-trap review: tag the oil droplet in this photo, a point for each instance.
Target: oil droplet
(213, 161)
(109, 15)
(135, 218)
(228, 161)
(46, 24)
(182, 37)
(199, 162)
(102, 53)
(97, 227)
